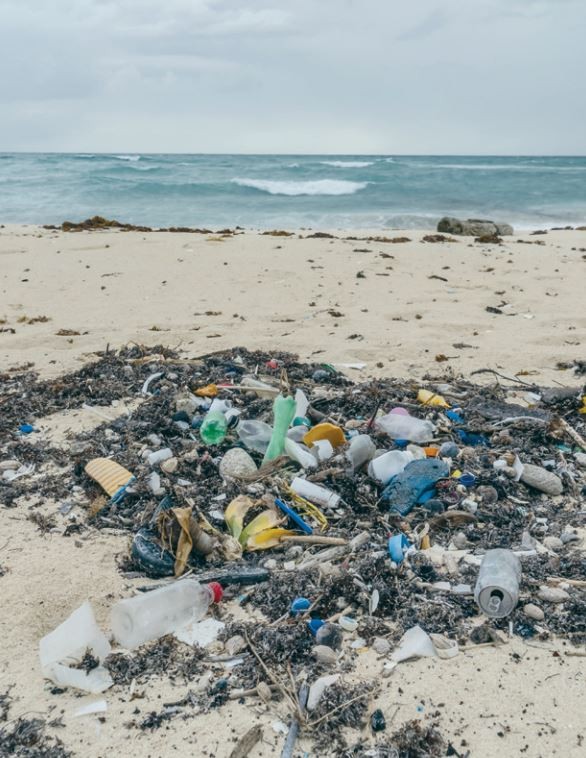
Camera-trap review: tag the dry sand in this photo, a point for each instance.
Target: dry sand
(518, 700)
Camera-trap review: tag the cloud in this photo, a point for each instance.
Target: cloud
(271, 75)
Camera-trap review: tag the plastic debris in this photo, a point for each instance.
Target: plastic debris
(111, 476)
(66, 645)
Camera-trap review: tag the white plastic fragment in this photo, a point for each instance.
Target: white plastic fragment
(415, 643)
(201, 633)
(318, 688)
(151, 378)
(94, 706)
(67, 644)
(301, 403)
(444, 647)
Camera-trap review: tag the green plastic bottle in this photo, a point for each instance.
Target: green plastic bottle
(214, 427)
(284, 413)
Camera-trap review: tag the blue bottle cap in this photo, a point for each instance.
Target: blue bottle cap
(299, 605)
(314, 624)
(467, 479)
(26, 428)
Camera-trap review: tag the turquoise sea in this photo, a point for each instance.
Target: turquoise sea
(291, 191)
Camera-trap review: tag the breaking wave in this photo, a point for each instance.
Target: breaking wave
(316, 187)
(347, 164)
(127, 157)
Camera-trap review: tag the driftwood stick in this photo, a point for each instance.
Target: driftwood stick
(314, 539)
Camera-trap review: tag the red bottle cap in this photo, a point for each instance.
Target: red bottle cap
(217, 591)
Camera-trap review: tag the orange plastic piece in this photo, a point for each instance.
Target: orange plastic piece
(330, 432)
(210, 390)
(431, 452)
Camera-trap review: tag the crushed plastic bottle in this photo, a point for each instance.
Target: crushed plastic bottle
(149, 616)
(399, 426)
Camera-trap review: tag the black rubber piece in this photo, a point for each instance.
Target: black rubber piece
(150, 557)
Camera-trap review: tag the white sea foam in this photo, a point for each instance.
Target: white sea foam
(347, 164)
(127, 157)
(316, 187)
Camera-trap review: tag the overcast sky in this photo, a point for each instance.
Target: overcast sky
(336, 76)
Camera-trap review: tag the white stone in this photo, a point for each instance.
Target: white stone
(533, 611)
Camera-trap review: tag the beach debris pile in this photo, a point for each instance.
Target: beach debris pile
(386, 518)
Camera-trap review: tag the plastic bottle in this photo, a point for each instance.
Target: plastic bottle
(314, 493)
(145, 617)
(401, 427)
(360, 450)
(256, 435)
(300, 453)
(283, 412)
(497, 586)
(388, 465)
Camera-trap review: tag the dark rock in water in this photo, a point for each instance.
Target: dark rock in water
(473, 227)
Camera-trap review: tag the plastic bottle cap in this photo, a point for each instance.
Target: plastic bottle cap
(217, 591)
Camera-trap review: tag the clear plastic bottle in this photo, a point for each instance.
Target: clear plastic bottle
(145, 617)
(401, 427)
(256, 435)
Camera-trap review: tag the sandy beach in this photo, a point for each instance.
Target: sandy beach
(371, 308)
(396, 308)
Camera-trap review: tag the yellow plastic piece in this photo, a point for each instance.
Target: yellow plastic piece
(265, 520)
(456, 474)
(267, 538)
(235, 513)
(210, 390)
(111, 476)
(309, 509)
(583, 408)
(425, 543)
(426, 397)
(326, 431)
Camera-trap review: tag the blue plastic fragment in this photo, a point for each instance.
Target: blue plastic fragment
(454, 416)
(467, 479)
(398, 544)
(415, 484)
(401, 443)
(314, 624)
(26, 428)
(474, 440)
(295, 517)
(299, 605)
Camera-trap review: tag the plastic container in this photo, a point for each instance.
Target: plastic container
(314, 493)
(497, 586)
(360, 450)
(151, 615)
(388, 465)
(403, 427)
(300, 454)
(255, 435)
(325, 431)
(214, 427)
(283, 413)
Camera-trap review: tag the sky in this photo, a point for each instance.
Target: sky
(293, 76)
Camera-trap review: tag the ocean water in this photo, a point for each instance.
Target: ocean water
(267, 191)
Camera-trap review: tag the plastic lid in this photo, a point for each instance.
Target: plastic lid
(217, 591)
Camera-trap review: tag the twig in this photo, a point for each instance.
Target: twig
(502, 376)
(314, 539)
(578, 439)
(272, 676)
(338, 708)
(572, 582)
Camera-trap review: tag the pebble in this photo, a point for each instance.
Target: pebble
(487, 494)
(534, 612)
(449, 450)
(381, 646)
(542, 480)
(289, 566)
(580, 459)
(236, 463)
(271, 564)
(553, 543)
(235, 644)
(552, 594)
(325, 655)
(170, 465)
